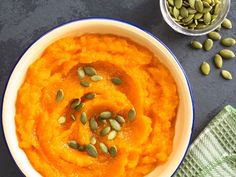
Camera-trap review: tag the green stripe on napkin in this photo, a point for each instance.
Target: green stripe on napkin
(213, 153)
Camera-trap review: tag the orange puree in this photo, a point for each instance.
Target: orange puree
(142, 144)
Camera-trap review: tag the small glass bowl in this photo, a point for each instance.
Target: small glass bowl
(196, 32)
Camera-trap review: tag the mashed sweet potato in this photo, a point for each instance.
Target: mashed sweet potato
(147, 85)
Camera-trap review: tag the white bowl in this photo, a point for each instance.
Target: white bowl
(185, 115)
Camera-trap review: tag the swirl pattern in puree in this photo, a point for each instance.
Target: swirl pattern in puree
(147, 86)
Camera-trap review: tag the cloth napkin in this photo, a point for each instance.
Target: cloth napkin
(213, 153)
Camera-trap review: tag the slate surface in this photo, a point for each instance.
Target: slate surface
(23, 21)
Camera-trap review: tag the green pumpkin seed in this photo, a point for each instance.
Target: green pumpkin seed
(207, 18)
(75, 103)
(115, 125)
(191, 3)
(120, 119)
(132, 114)
(227, 54)
(178, 3)
(112, 151)
(214, 35)
(81, 73)
(199, 5)
(208, 44)
(59, 95)
(80, 106)
(185, 3)
(116, 80)
(81, 148)
(90, 96)
(218, 61)
(206, 9)
(227, 24)
(96, 78)
(91, 150)
(208, 1)
(191, 11)
(83, 118)
(184, 12)
(192, 25)
(84, 83)
(90, 71)
(205, 68)
(228, 42)
(198, 16)
(189, 18)
(93, 124)
(171, 2)
(226, 75)
(73, 144)
(205, 4)
(72, 116)
(217, 9)
(105, 115)
(61, 120)
(93, 140)
(200, 26)
(103, 148)
(196, 44)
(103, 121)
(112, 135)
(105, 131)
(175, 12)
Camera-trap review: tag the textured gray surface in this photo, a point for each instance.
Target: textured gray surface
(23, 21)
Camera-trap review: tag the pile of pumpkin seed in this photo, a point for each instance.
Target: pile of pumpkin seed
(225, 53)
(194, 14)
(109, 123)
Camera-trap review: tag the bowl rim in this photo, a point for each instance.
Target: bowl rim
(111, 20)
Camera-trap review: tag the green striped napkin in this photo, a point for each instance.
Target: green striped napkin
(213, 153)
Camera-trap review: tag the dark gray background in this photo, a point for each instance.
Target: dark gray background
(23, 21)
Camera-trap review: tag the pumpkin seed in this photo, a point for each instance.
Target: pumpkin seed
(59, 95)
(84, 83)
(72, 116)
(105, 115)
(226, 24)
(93, 140)
(90, 71)
(217, 9)
(208, 44)
(218, 61)
(80, 106)
(81, 73)
(81, 148)
(61, 120)
(226, 75)
(93, 124)
(191, 3)
(116, 80)
(83, 118)
(131, 114)
(75, 103)
(91, 150)
(96, 78)
(199, 5)
(227, 54)
(171, 2)
(175, 12)
(196, 44)
(115, 125)
(189, 18)
(206, 9)
(103, 148)
(191, 11)
(178, 3)
(198, 16)
(103, 121)
(205, 68)
(105, 131)
(184, 12)
(228, 42)
(112, 151)
(207, 18)
(73, 144)
(90, 95)
(120, 119)
(112, 135)
(205, 4)
(200, 26)
(214, 35)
